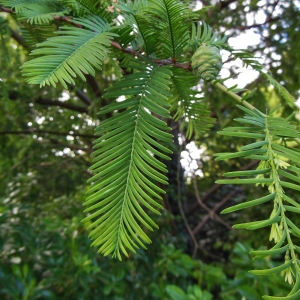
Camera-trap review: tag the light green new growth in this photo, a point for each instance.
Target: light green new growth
(278, 170)
(125, 170)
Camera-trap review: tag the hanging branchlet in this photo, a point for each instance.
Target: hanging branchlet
(279, 171)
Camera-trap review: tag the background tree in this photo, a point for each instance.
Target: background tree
(46, 140)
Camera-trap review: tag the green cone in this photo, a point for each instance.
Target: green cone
(207, 62)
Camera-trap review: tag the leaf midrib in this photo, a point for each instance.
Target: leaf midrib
(65, 61)
(171, 30)
(131, 161)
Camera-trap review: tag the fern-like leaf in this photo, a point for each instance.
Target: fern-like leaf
(249, 60)
(20, 5)
(141, 24)
(35, 34)
(76, 51)
(37, 11)
(187, 105)
(172, 28)
(42, 13)
(125, 165)
(124, 35)
(203, 34)
(279, 171)
(81, 8)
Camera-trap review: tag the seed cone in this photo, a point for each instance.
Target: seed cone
(207, 62)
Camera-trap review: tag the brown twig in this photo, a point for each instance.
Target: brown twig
(13, 95)
(69, 106)
(18, 38)
(215, 187)
(166, 62)
(81, 95)
(212, 214)
(214, 210)
(6, 9)
(162, 62)
(66, 19)
(94, 85)
(225, 4)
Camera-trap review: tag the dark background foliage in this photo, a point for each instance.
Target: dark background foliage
(46, 138)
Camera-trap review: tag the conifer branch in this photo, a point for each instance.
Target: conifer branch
(6, 9)
(69, 106)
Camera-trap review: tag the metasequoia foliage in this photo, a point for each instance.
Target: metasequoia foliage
(168, 55)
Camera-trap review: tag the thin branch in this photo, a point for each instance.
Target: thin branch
(161, 62)
(95, 87)
(212, 214)
(14, 33)
(18, 38)
(61, 104)
(225, 4)
(58, 143)
(6, 9)
(166, 62)
(13, 95)
(210, 192)
(214, 210)
(81, 95)
(47, 132)
(66, 19)
(116, 45)
(74, 147)
(269, 19)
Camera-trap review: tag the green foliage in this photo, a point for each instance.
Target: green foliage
(137, 15)
(193, 293)
(276, 173)
(37, 12)
(152, 47)
(82, 7)
(250, 60)
(172, 26)
(36, 34)
(3, 32)
(62, 60)
(187, 105)
(203, 34)
(124, 162)
(247, 285)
